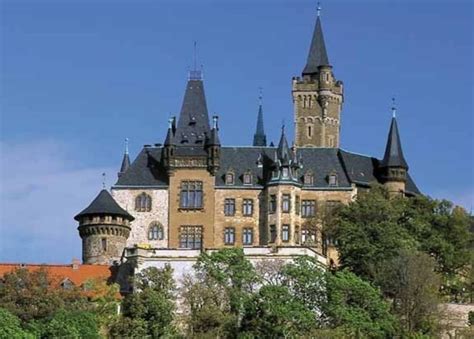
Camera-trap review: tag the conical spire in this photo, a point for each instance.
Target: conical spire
(213, 139)
(259, 138)
(317, 52)
(125, 160)
(104, 204)
(393, 152)
(169, 135)
(283, 151)
(193, 123)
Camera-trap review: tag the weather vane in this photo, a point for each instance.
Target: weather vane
(260, 95)
(103, 180)
(318, 9)
(126, 145)
(394, 108)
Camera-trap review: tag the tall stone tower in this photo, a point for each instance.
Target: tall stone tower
(317, 98)
(104, 227)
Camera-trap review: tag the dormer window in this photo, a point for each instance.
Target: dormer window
(308, 179)
(247, 178)
(285, 172)
(229, 178)
(332, 179)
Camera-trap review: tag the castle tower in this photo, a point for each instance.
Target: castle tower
(283, 192)
(104, 228)
(259, 138)
(317, 98)
(393, 168)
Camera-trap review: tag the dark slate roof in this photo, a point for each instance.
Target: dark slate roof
(362, 169)
(317, 52)
(104, 204)
(193, 123)
(146, 170)
(259, 138)
(393, 152)
(213, 139)
(125, 163)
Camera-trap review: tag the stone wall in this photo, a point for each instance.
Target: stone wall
(140, 226)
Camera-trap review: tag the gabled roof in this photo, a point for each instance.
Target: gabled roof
(104, 204)
(317, 52)
(393, 152)
(193, 122)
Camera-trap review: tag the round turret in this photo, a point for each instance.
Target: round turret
(104, 227)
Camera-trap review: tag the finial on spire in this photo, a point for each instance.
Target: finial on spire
(126, 145)
(394, 108)
(282, 126)
(195, 74)
(318, 9)
(215, 118)
(170, 122)
(103, 180)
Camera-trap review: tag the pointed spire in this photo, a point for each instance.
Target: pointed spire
(125, 160)
(393, 152)
(170, 134)
(193, 122)
(317, 52)
(259, 138)
(283, 151)
(213, 139)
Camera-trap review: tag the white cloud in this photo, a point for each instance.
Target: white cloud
(41, 189)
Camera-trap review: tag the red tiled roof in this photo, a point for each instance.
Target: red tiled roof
(76, 273)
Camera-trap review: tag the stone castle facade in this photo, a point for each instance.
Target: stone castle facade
(191, 193)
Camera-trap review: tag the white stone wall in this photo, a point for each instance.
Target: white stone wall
(159, 213)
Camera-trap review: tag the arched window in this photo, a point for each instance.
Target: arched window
(310, 132)
(143, 203)
(308, 178)
(248, 178)
(155, 232)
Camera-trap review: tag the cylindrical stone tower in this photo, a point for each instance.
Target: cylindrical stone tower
(104, 227)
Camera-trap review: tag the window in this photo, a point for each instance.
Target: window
(286, 203)
(143, 203)
(297, 234)
(297, 205)
(247, 236)
(308, 208)
(247, 179)
(285, 172)
(308, 179)
(229, 178)
(308, 237)
(229, 235)
(104, 244)
(190, 237)
(332, 180)
(273, 233)
(155, 232)
(247, 207)
(191, 194)
(310, 132)
(67, 284)
(272, 205)
(229, 207)
(285, 233)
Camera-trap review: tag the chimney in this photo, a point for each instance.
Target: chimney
(75, 264)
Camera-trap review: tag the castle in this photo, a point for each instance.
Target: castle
(192, 193)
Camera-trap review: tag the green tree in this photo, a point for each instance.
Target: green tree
(72, 324)
(411, 282)
(10, 326)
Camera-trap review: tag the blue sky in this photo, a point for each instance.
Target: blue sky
(77, 77)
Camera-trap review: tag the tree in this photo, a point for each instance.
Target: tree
(72, 324)
(411, 282)
(10, 326)
(357, 307)
(151, 307)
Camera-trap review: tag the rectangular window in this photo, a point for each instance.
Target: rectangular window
(308, 237)
(286, 203)
(247, 207)
(297, 234)
(308, 208)
(229, 207)
(247, 236)
(247, 179)
(297, 205)
(190, 237)
(229, 235)
(191, 195)
(285, 233)
(272, 204)
(273, 233)
(104, 244)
